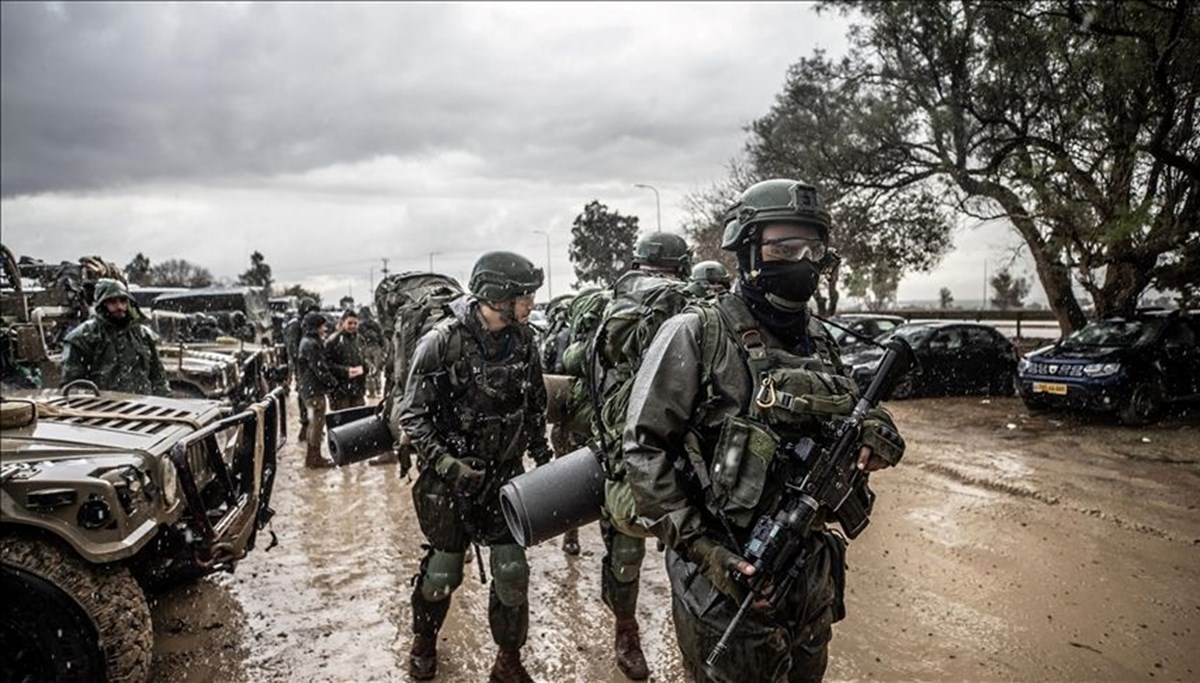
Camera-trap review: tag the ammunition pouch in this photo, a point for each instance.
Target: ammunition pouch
(739, 469)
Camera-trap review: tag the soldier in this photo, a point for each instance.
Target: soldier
(374, 346)
(710, 278)
(314, 380)
(473, 404)
(654, 288)
(292, 332)
(694, 410)
(345, 357)
(113, 348)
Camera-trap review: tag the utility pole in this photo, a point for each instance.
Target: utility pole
(431, 255)
(385, 270)
(549, 275)
(983, 304)
(657, 203)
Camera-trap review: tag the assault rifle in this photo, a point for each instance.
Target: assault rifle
(776, 547)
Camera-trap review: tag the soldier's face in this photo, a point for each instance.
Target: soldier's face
(522, 307)
(118, 307)
(788, 242)
(350, 325)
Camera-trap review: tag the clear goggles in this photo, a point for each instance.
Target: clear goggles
(793, 249)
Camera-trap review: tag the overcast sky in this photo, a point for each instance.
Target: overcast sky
(330, 137)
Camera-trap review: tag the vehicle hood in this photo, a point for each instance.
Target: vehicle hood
(867, 355)
(118, 424)
(1092, 354)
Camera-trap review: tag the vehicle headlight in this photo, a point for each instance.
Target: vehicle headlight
(170, 482)
(1101, 369)
(1022, 365)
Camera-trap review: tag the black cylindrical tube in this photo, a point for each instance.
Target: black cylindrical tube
(561, 495)
(358, 440)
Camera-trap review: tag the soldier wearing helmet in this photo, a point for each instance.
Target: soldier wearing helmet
(663, 253)
(474, 405)
(710, 278)
(112, 348)
(694, 402)
(293, 331)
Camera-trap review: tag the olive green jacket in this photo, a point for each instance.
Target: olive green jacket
(115, 358)
(677, 410)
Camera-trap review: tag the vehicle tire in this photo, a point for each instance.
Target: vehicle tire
(1144, 405)
(1004, 385)
(902, 389)
(64, 619)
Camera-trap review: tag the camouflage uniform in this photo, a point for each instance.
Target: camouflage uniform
(344, 351)
(701, 473)
(314, 381)
(115, 355)
(473, 404)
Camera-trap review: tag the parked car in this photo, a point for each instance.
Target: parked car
(952, 358)
(1133, 366)
(867, 325)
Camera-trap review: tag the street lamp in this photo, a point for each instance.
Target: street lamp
(431, 255)
(549, 276)
(657, 204)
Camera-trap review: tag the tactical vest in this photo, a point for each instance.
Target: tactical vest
(487, 393)
(794, 396)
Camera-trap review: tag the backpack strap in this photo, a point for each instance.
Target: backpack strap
(737, 318)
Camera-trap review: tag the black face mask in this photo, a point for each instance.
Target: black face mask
(778, 297)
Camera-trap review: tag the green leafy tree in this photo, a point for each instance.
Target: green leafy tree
(138, 270)
(1075, 120)
(602, 244)
(1009, 292)
(945, 298)
(259, 273)
(300, 292)
(179, 273)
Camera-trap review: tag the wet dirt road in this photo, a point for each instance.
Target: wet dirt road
(1006, 547)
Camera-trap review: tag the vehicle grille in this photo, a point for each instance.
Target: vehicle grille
(136, 414)
(1055, 369)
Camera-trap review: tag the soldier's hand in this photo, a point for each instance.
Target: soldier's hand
(718, 564)
(462, 477)
(869, 461)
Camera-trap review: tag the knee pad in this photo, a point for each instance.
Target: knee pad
(443, 573)
(627, 554)
(510, 574)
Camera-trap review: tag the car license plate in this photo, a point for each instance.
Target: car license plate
(1049, 388)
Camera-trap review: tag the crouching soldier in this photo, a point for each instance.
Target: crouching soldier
(473, 405)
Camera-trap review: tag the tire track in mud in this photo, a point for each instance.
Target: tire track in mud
(1018, 491)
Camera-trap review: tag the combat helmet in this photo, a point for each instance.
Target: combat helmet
(779, 200)
(711, 273)
(663, 250)
(108, 288)
(503, 275)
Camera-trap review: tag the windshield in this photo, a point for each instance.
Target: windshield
(913, 334)
(1115, 333)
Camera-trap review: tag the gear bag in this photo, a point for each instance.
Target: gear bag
(409, 304)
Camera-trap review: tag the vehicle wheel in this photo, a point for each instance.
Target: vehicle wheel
(66, 620)
(1145, 404)
(1004, 385)
(902, 389)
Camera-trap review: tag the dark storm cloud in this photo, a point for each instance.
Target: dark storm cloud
(98, 95)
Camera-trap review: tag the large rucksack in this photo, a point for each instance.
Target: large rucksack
(640, 304)
(409, 304)
(557, 334)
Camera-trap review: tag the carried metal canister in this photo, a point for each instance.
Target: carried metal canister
(356, 434)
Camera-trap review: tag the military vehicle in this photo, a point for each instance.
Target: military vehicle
(105, 495)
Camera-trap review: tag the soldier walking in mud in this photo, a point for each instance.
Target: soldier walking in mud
(344, 352)
(474, 404)
(112, 348)
(374, 346)
(314, 381)
(293, 331)
(696, 407)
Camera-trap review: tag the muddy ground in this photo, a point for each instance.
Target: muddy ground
(1007, 546)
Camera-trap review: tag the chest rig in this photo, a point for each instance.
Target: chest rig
(488, 390)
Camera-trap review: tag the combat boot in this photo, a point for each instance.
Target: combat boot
(315, 460)
(628, 647)
(422, 658)
(508, 668)
(571, 542)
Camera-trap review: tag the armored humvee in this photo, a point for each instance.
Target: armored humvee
(105, 495)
